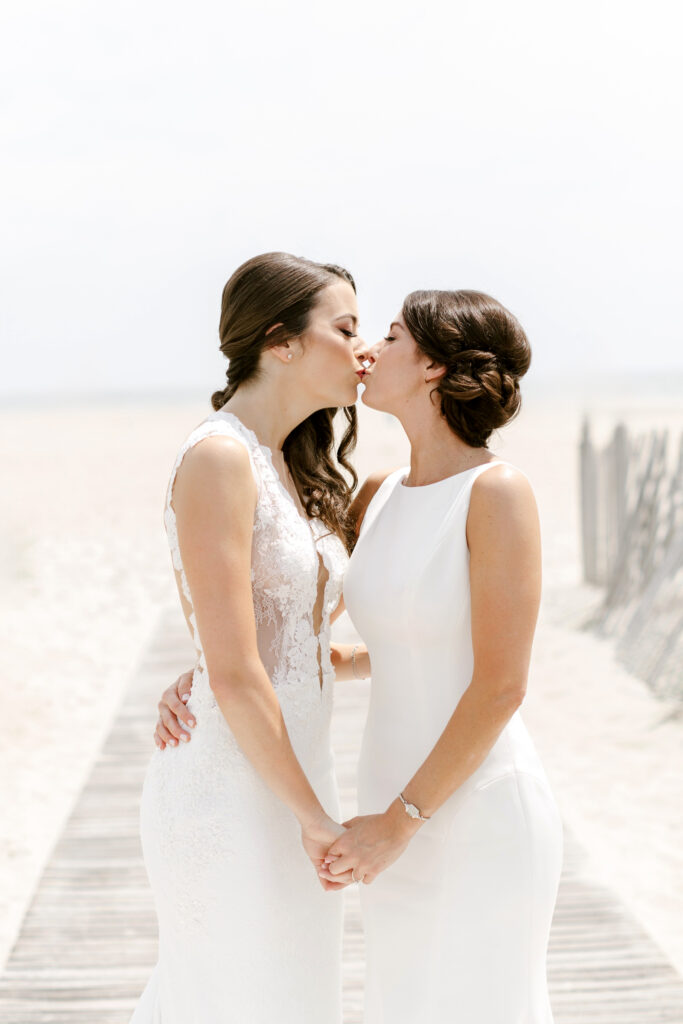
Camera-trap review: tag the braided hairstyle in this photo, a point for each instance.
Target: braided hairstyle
(277, 288)
(485, 352)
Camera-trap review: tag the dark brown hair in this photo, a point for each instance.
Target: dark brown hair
(485, 352)
(277, 288)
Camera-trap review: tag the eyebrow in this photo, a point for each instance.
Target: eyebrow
(394, 324)
(348, 316)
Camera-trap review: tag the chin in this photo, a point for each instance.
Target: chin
(367, 399)
(374, 403)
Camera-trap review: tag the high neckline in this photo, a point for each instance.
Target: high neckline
(444, 480)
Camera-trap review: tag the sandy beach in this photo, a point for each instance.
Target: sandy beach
(85, 572)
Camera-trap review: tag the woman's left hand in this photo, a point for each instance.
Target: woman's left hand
(370, 844)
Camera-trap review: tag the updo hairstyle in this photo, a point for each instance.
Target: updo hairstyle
(485, 352)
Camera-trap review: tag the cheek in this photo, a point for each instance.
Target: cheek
(322, 359)
(337, 354)
(391, 367)
(330, 372)
(398, 375)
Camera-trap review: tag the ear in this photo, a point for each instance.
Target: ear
(434, 372)
(283, 352)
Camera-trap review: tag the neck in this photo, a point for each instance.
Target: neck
(435, 450)
(269, 411)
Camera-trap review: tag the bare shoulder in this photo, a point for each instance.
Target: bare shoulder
(503, 485)
(216, 464)
(217, 451)
(502, 501)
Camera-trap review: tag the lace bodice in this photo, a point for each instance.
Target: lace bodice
(297, 570)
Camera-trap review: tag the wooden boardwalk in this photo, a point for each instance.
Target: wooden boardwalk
(88, 941)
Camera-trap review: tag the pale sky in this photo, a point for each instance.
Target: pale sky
(530, 149)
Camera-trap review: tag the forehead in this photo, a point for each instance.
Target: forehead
(338, 299)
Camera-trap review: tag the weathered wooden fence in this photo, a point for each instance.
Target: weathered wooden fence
(632, 528)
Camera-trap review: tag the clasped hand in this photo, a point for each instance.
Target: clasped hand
(356, 850)
(369, 844)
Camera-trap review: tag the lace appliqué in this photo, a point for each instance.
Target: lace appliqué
(286, 555)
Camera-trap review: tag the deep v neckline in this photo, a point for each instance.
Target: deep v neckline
(324, 574)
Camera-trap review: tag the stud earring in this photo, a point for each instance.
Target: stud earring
(289, 355)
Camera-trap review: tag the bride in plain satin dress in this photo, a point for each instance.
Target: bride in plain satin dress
(443, 586)
(458, 845)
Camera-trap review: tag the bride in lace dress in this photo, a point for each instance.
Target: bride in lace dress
(235, 825)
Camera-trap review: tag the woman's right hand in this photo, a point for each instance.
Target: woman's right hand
(317, 836)
(172, 711)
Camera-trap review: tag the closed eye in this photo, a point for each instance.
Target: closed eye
(389, 337)
(349, 334)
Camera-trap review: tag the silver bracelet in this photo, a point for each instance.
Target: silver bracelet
(411, 810)
(353, 663)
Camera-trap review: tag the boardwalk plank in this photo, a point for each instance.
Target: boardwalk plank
(88, 940)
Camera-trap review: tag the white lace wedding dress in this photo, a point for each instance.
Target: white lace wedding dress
(246, 933)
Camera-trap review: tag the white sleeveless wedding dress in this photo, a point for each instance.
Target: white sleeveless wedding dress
(457, 928)
(246, 933)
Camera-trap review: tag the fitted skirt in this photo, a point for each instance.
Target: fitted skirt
(457, 928)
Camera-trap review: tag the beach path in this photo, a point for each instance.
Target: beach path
(88, 940)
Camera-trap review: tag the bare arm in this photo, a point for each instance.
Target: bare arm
(505, 581)
(214, 499)
(505, 585)
(342, 661)
(172, 710)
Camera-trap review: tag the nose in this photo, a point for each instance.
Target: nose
(372, 352)
(361, 350)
